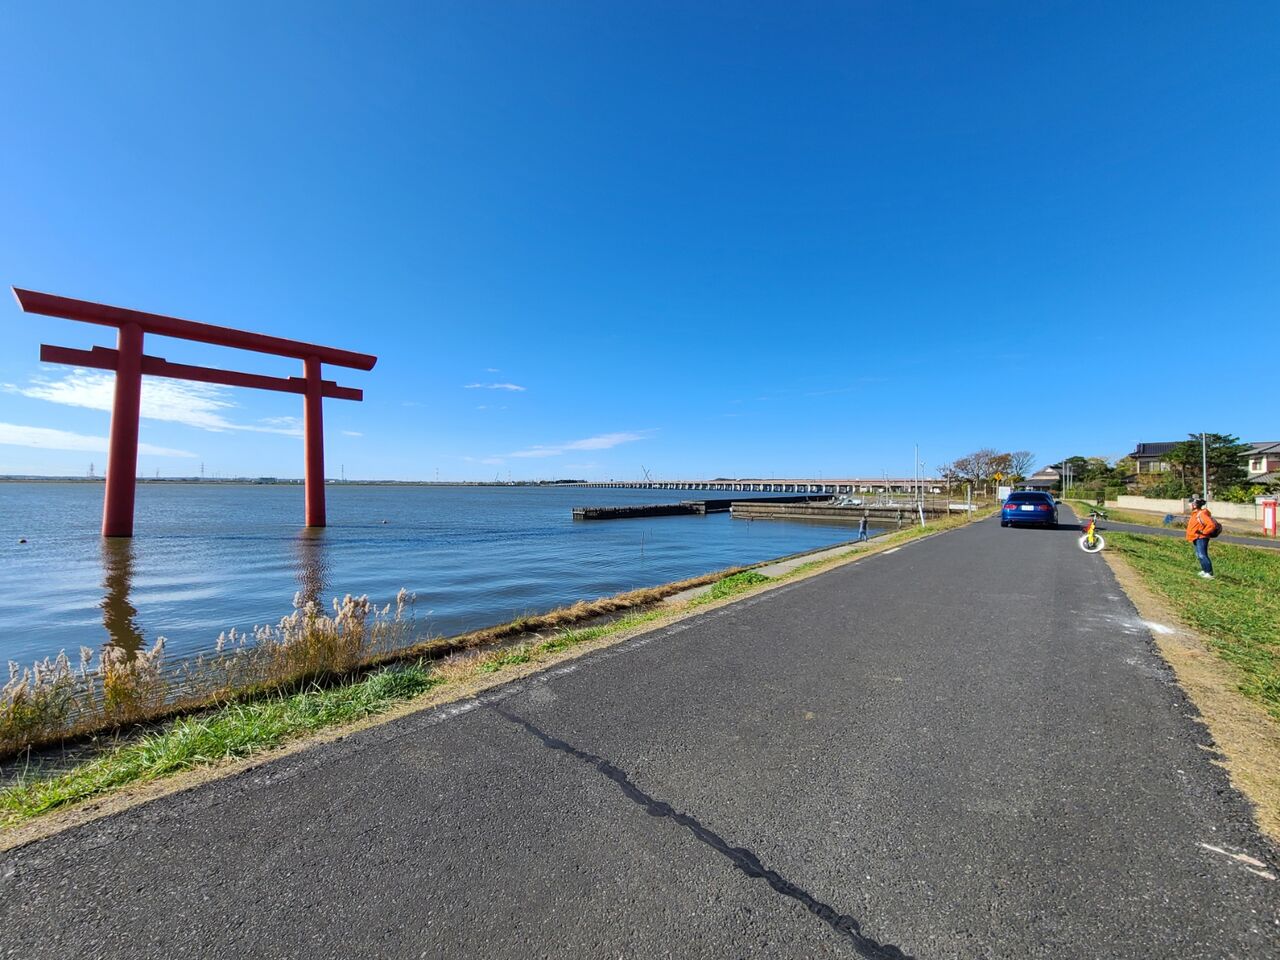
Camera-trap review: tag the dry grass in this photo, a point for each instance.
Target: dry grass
(54, 700)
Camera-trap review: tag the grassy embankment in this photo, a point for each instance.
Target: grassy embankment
(245, 727)
(1082, 508)
(1238, 613)
(1234, 528)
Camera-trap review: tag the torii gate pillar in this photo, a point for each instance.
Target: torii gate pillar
(122, 448)
(313, 429)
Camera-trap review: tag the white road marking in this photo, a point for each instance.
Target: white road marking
(892, 550)
(1249, 862)
(1157, 627)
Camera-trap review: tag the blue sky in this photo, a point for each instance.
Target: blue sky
(706, 239)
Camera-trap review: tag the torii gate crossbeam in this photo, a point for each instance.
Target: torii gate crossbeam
(129, 364)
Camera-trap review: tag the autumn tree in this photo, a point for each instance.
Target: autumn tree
(1020, 462)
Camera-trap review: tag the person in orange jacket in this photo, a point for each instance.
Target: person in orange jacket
(1199, 526)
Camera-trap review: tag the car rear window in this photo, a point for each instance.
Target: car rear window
(1028, 497)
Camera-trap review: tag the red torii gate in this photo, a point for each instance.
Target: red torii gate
(130, 363)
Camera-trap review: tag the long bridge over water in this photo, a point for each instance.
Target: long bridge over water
(832, 486)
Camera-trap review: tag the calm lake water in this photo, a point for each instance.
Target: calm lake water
(210, 557)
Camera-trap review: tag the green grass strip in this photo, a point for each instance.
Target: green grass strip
(729, 587)
(571, 638)
(1238, 612)
(236, 730)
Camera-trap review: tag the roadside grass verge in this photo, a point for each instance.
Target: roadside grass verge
(245, 727)
(237, 730)
(1232, 528)
(1238, 613)
(56, 700)
(1082, 508)
(730, 587)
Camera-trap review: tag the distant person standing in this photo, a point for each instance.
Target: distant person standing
(862, 529)
(1200, 527)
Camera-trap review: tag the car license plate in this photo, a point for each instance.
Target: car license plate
(1028, 506)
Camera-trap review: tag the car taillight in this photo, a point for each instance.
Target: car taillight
(1043, 506)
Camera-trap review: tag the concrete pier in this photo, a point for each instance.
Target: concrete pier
(826, 511)
(683, 508)
(833, 486)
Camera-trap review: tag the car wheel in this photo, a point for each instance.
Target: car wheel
(1004, 523)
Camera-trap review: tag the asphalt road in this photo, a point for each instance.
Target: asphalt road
(964, 748)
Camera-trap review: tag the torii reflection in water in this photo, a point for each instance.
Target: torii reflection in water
(119, 615)
(313, 565)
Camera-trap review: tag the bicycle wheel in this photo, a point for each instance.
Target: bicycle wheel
(1098, 543)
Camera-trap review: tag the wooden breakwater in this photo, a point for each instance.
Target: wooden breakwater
(827, 511)
(684, 507)
(636, 510)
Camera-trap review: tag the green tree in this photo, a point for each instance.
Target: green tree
(1226, 458)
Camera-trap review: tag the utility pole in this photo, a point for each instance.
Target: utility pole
(1204, 467)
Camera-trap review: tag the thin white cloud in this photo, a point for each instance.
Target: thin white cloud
(352, 433)
(602, 442)
(197, 405)
(492, 370)
(17, 435)
(494, 386)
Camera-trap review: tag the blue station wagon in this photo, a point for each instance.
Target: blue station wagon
(1029, 507)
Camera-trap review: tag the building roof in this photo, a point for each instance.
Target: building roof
(1147, 450)
(1045, 473)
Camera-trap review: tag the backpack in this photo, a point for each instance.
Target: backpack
(1217, 528)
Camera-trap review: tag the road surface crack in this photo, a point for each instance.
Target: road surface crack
(742, 858)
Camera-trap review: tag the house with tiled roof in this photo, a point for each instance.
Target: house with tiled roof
(1149, 457)
(1264, 462)
(1263, 459)
(1046, 478)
